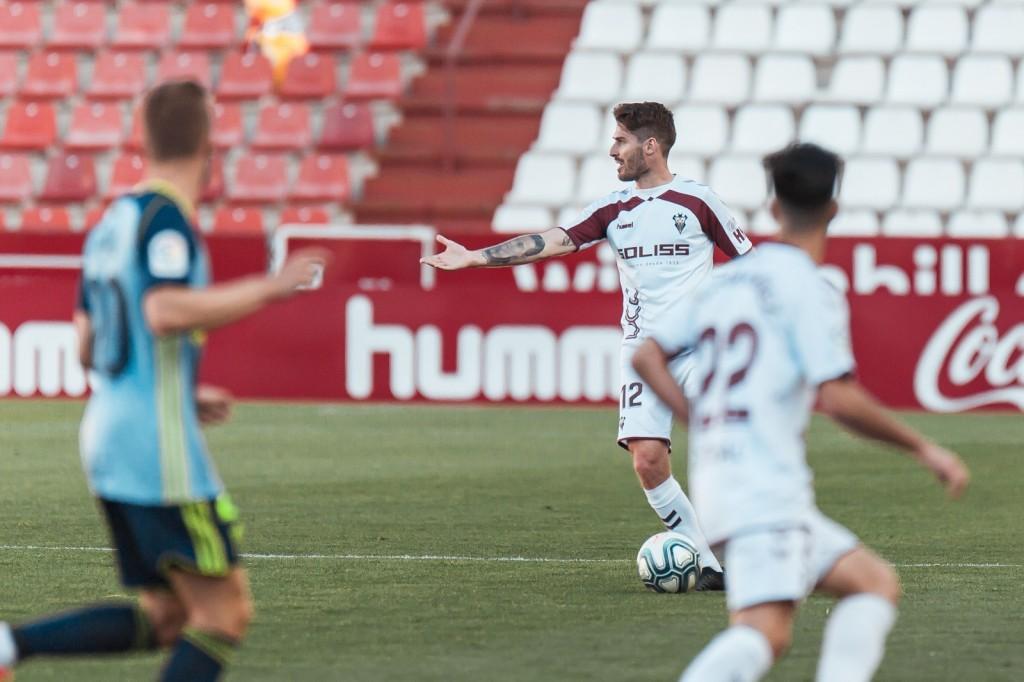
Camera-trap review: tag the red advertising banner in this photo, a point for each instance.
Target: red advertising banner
(937, 324)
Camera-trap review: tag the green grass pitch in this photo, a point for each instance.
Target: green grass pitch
(360, 481)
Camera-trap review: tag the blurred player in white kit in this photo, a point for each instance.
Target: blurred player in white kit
(664, 230)
(770, 336)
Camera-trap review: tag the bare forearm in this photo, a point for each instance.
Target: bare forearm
(526, 248)
(853, 407)
(172, 310)
(651, 363)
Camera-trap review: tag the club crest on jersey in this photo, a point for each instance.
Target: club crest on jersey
(680, 221)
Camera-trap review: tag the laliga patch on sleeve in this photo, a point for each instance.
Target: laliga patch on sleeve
(168, 255)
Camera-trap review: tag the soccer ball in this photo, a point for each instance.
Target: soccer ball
(668, 562)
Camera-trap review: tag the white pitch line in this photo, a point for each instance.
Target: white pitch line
(452, 558)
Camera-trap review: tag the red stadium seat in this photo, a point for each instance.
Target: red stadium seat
(227, 125)
(128, 171)
(335, 26)
(15, 178)
(260, 178)
(79, 25)
(238, 219)
(311, 75)
(214, 189)
(95, 125)
(45, 219)
(30, 125)
(118, 75)
(208, 26)
(244, 76)
(8, 65)
(69, 177)
(374, 76)
(180, 66)
(19, 25)
(347, 126)
(50, 74)
(305, 215)
(283, 126)
(322, 177)
(400, 26)
(142, 25)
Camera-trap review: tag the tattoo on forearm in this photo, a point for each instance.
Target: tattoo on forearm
(566, 241)
(514, 251)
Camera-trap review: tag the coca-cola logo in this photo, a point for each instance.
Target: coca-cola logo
(968, 347)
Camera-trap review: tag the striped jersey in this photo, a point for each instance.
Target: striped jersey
(140, 437)
(664, 238)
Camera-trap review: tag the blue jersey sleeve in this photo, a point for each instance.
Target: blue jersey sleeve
(82, 303)
(167, 245)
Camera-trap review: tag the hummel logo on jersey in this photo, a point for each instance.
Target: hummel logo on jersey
(680, 220)
(625, 226)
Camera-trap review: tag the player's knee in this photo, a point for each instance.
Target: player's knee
(166, 617)
(885, 583)
(230, 618)
(650, 462)
(780, 638)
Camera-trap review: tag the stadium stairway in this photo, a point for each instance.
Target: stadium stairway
(453, 176)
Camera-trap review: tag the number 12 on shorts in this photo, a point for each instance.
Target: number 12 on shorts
(631, 394)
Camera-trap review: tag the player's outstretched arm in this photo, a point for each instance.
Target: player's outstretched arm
(651, 362)
(174, 309)
(525, 248)
(846, 401)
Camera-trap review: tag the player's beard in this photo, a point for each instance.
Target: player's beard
(633, 167)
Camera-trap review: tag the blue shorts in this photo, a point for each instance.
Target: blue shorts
(196, 537)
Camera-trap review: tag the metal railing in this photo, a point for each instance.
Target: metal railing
(452, 55)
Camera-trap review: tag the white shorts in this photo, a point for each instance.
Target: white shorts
(641, 413)
(784, 563)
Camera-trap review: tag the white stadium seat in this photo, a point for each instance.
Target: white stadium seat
(784, 78)
(856, 223)
(857, 80)
(893, 131)
(570, 127)
(1018, 226)
(682, 28)
(985, 81)
(591, 77)
(615, 26)
(869, 29)
(938, 29)
(809, 29)
(978, 224)
(655, 77)
(834, 126)
(933, 183)
(957, 132)
(701, 129)
(762, 224)
(997, 184)
(518, 219)
(998, 30)
(686, 166)
(720, 78)
(915, 223)
(597, 178)
(761, 129)
(543, 179)
(1008, 133)
(917, 79)
(739, 180)
(743, 28)
(870, 183)
(568, 216)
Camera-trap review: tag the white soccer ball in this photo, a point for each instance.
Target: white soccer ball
(668, 562)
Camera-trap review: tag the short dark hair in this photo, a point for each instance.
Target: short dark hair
(805, 177)
(648, 119)
(177, 120)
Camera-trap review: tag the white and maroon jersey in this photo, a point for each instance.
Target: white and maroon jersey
(664, 239)
(765, 336)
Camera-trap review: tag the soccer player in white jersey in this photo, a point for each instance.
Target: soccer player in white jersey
(771, 336)
(664, 230)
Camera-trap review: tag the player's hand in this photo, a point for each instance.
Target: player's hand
(213, 405)
(947, 467)
(454, 257)
(300, 271)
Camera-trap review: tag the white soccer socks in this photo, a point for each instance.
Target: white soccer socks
(8, 650)
(739, 654)
(674, 509)
(854, 641)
